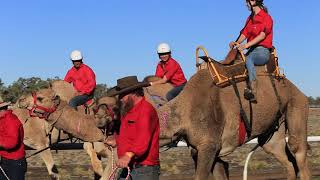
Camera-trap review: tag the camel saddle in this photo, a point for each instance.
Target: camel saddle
(234, 67)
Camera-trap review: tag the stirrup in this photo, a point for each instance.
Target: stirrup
(248, 95)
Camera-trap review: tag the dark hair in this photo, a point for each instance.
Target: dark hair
(138, 92)
(260, 4)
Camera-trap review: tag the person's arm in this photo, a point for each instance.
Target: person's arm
(253, 42)
(243, 34)
(68, 78)
(161, 81)
(268, 24)
(91, 82)
(171, 70)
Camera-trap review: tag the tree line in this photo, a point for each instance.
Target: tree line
(27, 85)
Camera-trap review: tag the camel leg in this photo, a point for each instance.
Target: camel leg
(111, 159)
(297, 116)
(96, 163)
(48, 160)
(277, 146)
(220, 170)
(206, 155)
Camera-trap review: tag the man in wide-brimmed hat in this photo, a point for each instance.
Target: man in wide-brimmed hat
(138, 139)
(12, 151)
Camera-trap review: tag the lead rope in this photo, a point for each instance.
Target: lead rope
(4, 173)
(115, 168)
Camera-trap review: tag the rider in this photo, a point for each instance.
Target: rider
(259, 32)
(170, 71)
(83, 79)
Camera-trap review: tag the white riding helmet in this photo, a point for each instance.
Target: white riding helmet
(75, 55)
(163, 48)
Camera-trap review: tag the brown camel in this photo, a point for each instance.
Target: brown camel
(208, 118)
(275, 146)
(81, 124)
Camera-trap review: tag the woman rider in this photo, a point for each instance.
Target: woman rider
(258, 32)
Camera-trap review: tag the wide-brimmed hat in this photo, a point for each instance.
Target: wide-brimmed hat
(3, 104)
(126, 85)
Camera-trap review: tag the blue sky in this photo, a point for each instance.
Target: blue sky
(119, 38)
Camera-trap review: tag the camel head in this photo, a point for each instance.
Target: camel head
(43, 101)
(103, 112)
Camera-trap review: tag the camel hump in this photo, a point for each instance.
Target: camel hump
(63, 89)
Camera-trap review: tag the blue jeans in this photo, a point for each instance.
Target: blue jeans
(175, 91)
(141, 173)
(14, 169)
(258, 56)
(79, 100)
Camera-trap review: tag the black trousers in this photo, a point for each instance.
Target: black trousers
(14, 169)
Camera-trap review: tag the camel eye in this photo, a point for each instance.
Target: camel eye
(39, 99)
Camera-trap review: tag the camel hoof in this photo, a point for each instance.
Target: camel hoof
(54, 176)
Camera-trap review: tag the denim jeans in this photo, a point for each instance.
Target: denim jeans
(14, 169)
(79, 100)
(175, 91)
(258, 56)
(141, 173)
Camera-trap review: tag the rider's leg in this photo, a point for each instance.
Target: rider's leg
(258, 56)
(175, 92)
(79, 100)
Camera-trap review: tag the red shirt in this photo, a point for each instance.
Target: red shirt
(172, 70)
(11, 136)
(262, 22)
(83, 79)
(139, 133)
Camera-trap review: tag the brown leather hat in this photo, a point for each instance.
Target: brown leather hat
(126, 85)
(3, 104)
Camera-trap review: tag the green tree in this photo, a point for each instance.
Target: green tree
(100, 91)
(23, 86)
(311, 100)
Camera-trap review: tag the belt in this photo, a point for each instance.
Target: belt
(142, 165)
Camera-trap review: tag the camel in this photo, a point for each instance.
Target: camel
(207, 117)
(276, 144)
(41, 140)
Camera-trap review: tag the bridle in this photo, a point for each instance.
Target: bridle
(109, 111)
(33, 112)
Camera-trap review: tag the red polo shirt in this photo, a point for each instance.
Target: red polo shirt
(262, 22)
(172, 70)
(83, 79)
(139, 133)
(11, 136)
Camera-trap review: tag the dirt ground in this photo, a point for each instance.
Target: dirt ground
(176, 163)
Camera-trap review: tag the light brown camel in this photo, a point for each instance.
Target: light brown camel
(102, 117)
(275, 146)
(207, 117)
(43, 140)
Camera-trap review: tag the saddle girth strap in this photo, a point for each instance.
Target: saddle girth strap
(279, 113)
(242, 112)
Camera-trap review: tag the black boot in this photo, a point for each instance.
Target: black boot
(251, 93)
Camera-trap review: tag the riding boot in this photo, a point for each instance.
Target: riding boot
(254, 88)
(250, 93)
